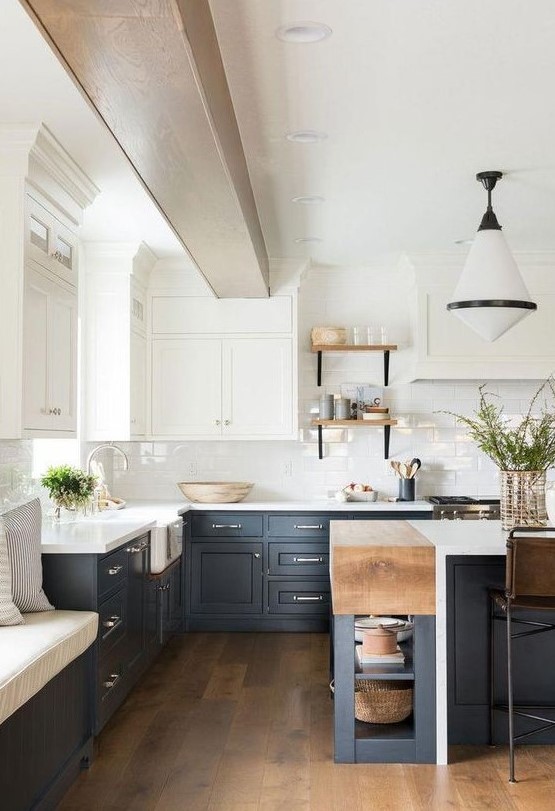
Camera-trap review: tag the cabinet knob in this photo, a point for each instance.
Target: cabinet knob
(51, 411)
(218, 422)
(257, 554)
(227, 422)
(112, 621)
(112, 680)
(115, 569)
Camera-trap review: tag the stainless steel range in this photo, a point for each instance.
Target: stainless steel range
(464, 508)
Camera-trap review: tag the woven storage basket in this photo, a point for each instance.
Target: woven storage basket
(383, 702)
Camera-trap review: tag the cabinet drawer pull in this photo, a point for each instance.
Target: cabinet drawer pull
(115, 569)
(308, 526)
(308, 560)
(257, 554)
(134, 549)
(111, 681)
(227, 526)
(112, 622)
(315, 599)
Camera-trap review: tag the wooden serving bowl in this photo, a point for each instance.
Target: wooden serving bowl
(215, 492)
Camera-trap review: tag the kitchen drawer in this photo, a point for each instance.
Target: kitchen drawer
(309, 559)
(112, 572)
(299, 526)
(298, 597)
(227, 525)
(112, 621)
(110, 683)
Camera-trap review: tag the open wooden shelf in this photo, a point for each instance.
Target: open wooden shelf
(385, 424)
(388, 672)
(384, 348)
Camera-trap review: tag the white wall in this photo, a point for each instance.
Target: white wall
(291, 470)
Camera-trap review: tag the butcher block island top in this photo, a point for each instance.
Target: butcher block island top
(381, 567)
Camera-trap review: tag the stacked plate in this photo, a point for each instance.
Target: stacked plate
(402, 627)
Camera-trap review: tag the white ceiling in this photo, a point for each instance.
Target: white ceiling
(416, 97)
(39, 90)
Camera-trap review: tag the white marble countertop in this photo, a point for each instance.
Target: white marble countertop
(109, 529)
(323, 505)
(112, 528)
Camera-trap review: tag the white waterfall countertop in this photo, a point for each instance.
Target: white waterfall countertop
(454, 538)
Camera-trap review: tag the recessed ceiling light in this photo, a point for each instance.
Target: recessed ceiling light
(308, 199)
(306, 136)
(308, 240)
(303, 32)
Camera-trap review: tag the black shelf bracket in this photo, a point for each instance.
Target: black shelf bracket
(386, 354)
(320, 443)
(386, 437)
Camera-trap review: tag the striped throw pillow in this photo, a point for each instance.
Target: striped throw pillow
(23, 536)
(9, 613)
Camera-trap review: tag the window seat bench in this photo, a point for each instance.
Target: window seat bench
(45, 716)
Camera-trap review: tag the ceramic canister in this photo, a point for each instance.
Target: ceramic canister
(379, 641)
(326, 407)
(343, 409)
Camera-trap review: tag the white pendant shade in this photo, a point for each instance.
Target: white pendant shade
(490, 273)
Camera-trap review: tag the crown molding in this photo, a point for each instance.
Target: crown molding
(60, 166)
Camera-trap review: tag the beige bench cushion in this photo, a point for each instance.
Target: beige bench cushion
(33, 653)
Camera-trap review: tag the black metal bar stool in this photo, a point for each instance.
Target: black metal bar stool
(529, 586)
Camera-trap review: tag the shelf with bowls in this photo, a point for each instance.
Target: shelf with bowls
(385, 424)
(319, 349)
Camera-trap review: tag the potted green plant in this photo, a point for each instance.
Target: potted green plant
(523, 449)
(68, 487)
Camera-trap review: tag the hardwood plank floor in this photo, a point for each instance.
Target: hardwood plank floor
(243, 722)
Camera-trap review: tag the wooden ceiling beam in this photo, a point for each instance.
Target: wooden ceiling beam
(152, 70)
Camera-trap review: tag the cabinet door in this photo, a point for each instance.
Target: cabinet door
(62, 359)
(137, 385)
(50, 243)
(175, 616)
(137, 555)
(50, 355)
(257, 387)
(226, 578)
(186, 387)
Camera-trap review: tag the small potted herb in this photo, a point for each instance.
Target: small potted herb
(68, 487)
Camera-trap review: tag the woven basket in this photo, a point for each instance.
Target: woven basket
(383, 702)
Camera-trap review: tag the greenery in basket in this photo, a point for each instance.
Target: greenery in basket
(526, 445)
(68, 486)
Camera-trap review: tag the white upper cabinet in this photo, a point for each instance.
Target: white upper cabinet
(224, 388)
(43, 194)
(49, 356)
(187, 387)
(49, 242)
(116, 340)
(223, 369)
(445, 348)
(257, 387)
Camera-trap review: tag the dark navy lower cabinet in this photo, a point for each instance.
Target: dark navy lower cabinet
(135, 616)
(250, 571)
(469, 579)
(226, 577)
